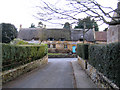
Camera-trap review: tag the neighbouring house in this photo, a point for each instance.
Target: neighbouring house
(113, 33)
(100, 36)
(58, 40)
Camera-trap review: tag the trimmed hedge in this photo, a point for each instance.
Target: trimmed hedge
(82, 50)
(14, 56)
(106, 59)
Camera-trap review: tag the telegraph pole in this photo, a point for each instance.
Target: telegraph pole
(84, 32)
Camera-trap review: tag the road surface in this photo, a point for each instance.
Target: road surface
(57, 74)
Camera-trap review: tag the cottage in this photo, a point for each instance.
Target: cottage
(58, 40)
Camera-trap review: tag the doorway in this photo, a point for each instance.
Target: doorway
(73, 49)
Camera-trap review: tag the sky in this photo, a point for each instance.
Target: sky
(21, 12)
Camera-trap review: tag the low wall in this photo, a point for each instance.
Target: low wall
(62, 56)
(12, 74)
(99, 79)
(57, 50)
(82, 62)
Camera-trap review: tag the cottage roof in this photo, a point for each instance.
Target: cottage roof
(78, 34)
(43, 34)
(101, 36)
(54, 33)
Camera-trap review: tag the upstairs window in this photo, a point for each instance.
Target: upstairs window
(62, 39)
(81, 39)
(50, 39)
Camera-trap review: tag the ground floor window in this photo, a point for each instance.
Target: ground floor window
(54, 46)
(48, 45)
(65, 46)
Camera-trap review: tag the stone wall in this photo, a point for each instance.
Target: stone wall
(14, 73)
(55, 50)
(82, 62)
(99, 79)
(113, 34)
(63, 56)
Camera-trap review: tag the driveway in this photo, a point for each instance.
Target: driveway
(57, 74)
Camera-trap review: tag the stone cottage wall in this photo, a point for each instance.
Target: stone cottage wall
(113, 34)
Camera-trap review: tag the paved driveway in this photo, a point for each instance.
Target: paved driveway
(57, 74)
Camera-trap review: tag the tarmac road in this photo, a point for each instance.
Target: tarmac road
(57, 74)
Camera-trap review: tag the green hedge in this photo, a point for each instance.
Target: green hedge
(82, 50)
(106, 59)
(13, 55)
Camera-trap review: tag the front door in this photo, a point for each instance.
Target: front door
(73, 49)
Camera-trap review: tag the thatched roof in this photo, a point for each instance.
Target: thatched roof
(77, 34)
(28, 33)
(43, 34)
(56, 34)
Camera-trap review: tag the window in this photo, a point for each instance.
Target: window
(36, 38)
(81, 39)
(65, 46)
(50, 39)
(54, 46)
(62, 39)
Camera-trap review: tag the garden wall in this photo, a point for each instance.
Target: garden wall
(14, 73)
(55, 50)
(98, 78)
(17, 60)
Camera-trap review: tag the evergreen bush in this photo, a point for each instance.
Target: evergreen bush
(14, 55)
(82, 50)
(106, 59)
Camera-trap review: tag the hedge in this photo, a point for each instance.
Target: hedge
(14, 56)
(82, 50)
(106, 59)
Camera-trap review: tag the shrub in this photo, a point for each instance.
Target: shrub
(106, 59)
(82, 50)
(9, 32)
(14, 56)
(18, 41)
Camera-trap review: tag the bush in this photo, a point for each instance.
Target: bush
(14, 56)
(18, 41)
(9, 32)
(82, 50)
(106, 59)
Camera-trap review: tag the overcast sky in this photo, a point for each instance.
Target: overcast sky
(21, 12)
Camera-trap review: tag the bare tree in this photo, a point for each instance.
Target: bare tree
(49, 12)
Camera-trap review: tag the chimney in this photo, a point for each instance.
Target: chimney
(20, 26)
